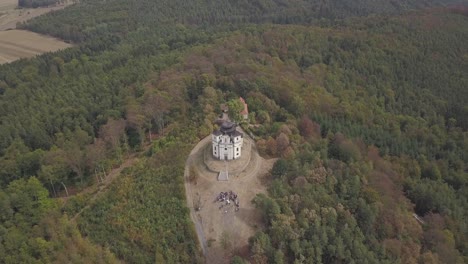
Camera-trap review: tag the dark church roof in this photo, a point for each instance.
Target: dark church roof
(228, 128)
(236, 134)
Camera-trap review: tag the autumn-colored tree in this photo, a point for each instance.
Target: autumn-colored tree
(344, 149)
(209, 102)
(95, 155)
(282, 143)
(308, 128)
(271, 147)
(262, 146)
(156, 107)
(113, 133)
(135, 122)
(75, 159)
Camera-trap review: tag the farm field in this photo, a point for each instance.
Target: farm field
(10, 15)
(7, 4)
(16, 44)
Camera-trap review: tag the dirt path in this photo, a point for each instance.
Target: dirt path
(111, 176)
(223, 232)
(189, 193)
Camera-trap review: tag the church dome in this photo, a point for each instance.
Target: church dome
(228, 127)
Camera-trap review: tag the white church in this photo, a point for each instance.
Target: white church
(227, 142)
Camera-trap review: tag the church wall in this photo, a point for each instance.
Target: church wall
(223, 148)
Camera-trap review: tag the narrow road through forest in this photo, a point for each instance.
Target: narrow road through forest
(189, 194)
(99, 188)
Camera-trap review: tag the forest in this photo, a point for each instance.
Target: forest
(362, 102)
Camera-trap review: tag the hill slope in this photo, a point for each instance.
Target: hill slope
(368, 116)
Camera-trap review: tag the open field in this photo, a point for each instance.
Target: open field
(8, 4)
(15, 44)
(10, 15)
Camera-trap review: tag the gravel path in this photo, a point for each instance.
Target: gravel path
(189, 193)
(223, 232)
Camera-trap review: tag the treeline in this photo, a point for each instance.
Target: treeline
(37, 3)
(91, 19)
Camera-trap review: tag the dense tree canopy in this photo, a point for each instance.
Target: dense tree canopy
(367, 116)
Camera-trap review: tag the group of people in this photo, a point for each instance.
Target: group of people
(225, 198)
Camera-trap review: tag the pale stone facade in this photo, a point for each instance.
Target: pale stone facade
(227, 142)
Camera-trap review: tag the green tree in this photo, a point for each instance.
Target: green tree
(235, 107)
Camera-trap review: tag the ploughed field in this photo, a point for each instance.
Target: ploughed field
(10, 15)
(8, 4)
(16, 44)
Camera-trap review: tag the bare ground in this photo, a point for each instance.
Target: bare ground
(15, 44)
(224, 232)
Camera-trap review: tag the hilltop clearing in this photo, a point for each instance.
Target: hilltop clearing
(222, 230)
